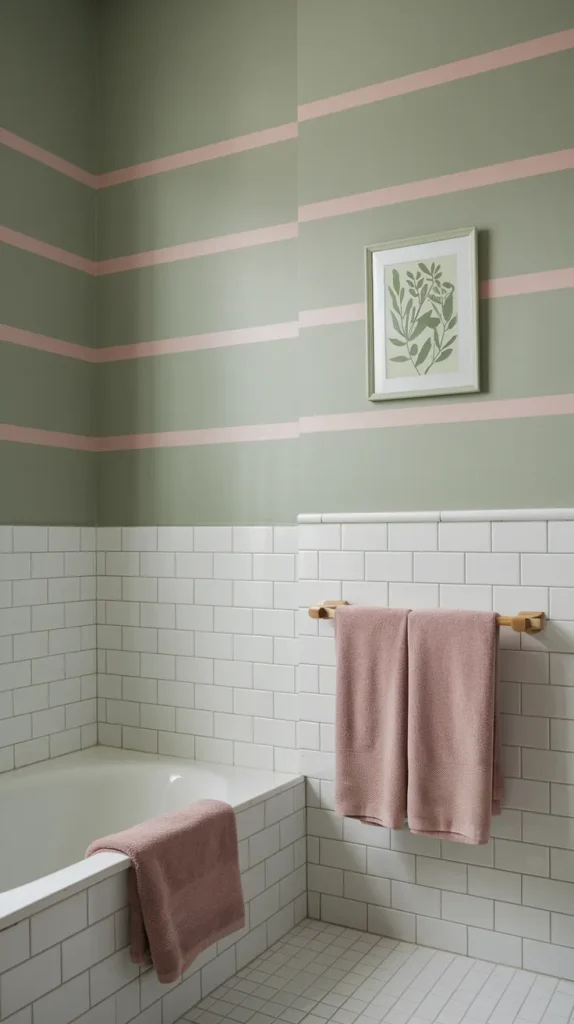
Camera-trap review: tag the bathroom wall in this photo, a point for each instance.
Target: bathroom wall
(511, 901)
(197, 221)
(196, 643)
(47, 234)
(47, 643)
(233, 388)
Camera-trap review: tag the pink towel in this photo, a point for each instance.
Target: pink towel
(371, 719)
(454, 756)
(185, 887)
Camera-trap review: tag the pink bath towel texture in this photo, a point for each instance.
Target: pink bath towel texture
(454, 753)
(185, 886)
(417, 733)
(371, 715)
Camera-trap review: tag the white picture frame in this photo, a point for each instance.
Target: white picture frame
(422, 316)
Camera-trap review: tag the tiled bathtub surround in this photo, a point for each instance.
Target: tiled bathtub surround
(47, 642)
(196, 639)
(511, 901)
(70, 961)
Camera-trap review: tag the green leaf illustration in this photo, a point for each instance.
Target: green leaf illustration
(396, 281)
(395, 341)
(409, 307)
(447, 306)
(452, 323)
(424, 268)
(394, 300)
(422, 324)
(446, 352)
(399, 359)
(396, 324)
(412, 292)
(413, 349)
(402, 295)
(451, 341)
(423, 352)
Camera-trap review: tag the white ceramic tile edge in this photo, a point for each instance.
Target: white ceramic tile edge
(465, 516)
(19, 903)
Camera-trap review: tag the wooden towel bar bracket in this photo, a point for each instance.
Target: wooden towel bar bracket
(524, 622)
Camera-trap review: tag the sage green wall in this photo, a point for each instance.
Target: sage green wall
(176, 75)
(47, 97)
(240, 64)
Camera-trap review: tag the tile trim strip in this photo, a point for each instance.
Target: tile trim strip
(528, 515)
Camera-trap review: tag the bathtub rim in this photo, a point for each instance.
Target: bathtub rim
(23, 901)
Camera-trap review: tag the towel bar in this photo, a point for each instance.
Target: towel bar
(524, 622)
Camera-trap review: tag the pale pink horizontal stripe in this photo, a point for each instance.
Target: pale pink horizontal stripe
(267, 137)
(209, 435)
(459, 412)
(197, 342)
(28, 339)
(47, 438)
(204, 247)
(332, 315)
(458, 69)
(494, 174)
(522, 284)
(47, 251)
(57, 163)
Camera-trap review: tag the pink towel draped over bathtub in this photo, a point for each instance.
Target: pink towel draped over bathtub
(371, 717)
(185, 886)
(454, 755)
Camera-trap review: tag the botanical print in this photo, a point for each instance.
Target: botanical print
(421, 317)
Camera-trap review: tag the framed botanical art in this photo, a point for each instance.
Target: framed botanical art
(422, 316)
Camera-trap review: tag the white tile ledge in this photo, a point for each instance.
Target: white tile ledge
(528, 515)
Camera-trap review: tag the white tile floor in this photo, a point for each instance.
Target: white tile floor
(320, 972)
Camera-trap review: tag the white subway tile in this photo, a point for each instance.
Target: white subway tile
(371, 593)
(548, 959)
(413, 536)
(237, 566)
(555, 701)
(469, 597)
(175, 538)
(470, 910)
(214, 698)
(219, 751)
(562, 603)
(285, 539)
(438, 567)
(548, 829)
(389, 565)
(393, 924)
(391, 864)
(234, 727)
(140, 739)
(89, 947)
(157, 563)
(523, 795)
(273, 622)
(30, 980)
(28, 592)
(233, 673)
(348, 913)
(14, 620)
(496, 885)
(562, 669)
(308, 565)
(364, 536)
(31, 752)
(562, 930)
(525, 731)
(139, 538)
(553, 570)
(213, 538)
(253, 648)
(560, 537)
(321, 537)
(521, 856)
(413, 595)
(214, 645)
(14, 675)
(441, 874)
(274, 567)
(493, 568)
(416, 898)
(548, 894)
(441, 934)
(194, 722)
(252, 594)
(252, 755)
(253, 538)
(136, 588)
(519, 536)
(562, 865)
(154, 716)
(495, 946)
(160, 616)
(330, 881)
(14, 945)
(30, 538)
(16, 567)
(194, 566)
(285, 595)
(110, 974)
(250, 701)
(234, 620)
(274, 731)
(464, 536)
(174, 744)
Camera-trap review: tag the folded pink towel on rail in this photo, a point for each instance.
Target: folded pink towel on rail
(185, 886)
(371, 718)
(454, 754)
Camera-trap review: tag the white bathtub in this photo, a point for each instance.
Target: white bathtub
(51, 812)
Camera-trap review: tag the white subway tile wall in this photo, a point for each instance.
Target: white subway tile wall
(197, 642)
(71, 962)
(47, 643)
(511, 901)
